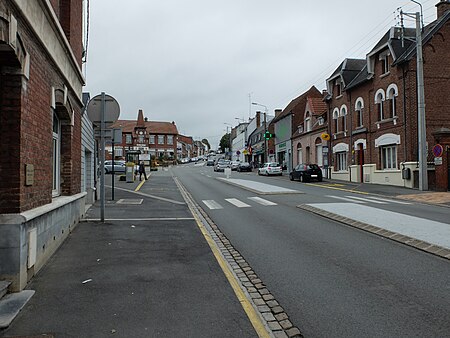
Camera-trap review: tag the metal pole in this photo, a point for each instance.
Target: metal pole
(423, 175)
(102, 159)
(265, 139)
(112, 171)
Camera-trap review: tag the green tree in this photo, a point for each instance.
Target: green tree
(205, 141)
(225, 142)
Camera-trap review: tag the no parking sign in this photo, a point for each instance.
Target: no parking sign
(438, 150)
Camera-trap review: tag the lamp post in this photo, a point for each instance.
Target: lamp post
(266, 159)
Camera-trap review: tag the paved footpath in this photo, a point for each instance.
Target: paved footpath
(146, 272)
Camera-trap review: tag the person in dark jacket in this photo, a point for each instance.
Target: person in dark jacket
(142, 171)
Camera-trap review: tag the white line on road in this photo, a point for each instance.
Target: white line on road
(388, 200)
(211, 204)
(344, 199)
(365, 199)
(237, 203)
(140, 219)
(261, 201)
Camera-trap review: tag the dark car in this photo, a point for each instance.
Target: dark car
(306, 173)
(244, 166)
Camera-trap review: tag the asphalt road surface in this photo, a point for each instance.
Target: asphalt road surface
(332, 280)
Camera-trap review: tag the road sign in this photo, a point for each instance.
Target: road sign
(238, 152)
(94, 110)
(438, 150)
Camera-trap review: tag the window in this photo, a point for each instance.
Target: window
(151, 139)
(389, 157)
(160, 139)
(344, 117)
(379, 99)
(392, 93)
(56, 154)
(384, 60)
(336, 120)
(299, 153)
(341, 161)
(359, 107)
(308, 121)
(338, 88)
(128, 139)
(141, 139)
(118, 152)
(170, 139)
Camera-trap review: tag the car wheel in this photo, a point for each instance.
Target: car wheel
(106, 171)
(259, 173)
(301, 178)
(320, 179)
(291, 177)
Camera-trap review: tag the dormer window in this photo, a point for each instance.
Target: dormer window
(385, 64)
(338, 86)
(300, 129)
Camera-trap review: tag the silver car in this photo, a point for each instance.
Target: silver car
(119, 166)
(270, 168)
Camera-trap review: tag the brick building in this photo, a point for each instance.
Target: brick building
(146, 138)
(185, 147)
(373, 111)
(40, 122)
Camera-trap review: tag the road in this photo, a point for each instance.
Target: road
(331, 279)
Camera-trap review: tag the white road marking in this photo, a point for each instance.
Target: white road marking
(365, 200)
(237, 203)
(344, 199)
(211, 204)
(388, 200)
(208, 176)
(420, 228)
(261, 201)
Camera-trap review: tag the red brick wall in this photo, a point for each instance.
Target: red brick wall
(26, 125)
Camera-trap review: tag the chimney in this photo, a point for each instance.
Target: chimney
(278, 112)
(442, 7)
(258, 119)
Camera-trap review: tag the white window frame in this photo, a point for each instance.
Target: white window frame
(391, 94)
(341, 161)
(56, 163)
(160, 137)
(336, 118)
(308, 121)
(379, 99)
(359, 108)
(389, 157)
(170, 139)
(128, 139)
(151, 139)
(343, 113)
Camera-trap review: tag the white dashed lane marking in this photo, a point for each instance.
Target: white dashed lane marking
(211, 204)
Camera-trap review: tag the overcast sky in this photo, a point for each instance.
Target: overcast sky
(195, 62)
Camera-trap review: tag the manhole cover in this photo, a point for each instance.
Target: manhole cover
(130, 201)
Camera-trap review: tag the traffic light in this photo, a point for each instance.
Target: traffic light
(268, 135)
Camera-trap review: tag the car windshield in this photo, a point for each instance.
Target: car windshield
(272, 165)
(245, 163)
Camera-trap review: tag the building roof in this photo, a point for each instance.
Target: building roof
(318, 106)
(348, 70)
(153, 127)
(298, 104)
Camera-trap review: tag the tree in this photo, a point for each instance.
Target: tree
(225, 142)
(205, 142)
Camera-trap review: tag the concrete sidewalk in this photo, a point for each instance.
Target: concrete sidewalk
(147, 271)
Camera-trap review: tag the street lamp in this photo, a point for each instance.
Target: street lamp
(265, 130)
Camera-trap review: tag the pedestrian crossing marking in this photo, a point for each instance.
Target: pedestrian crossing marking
(365, 200)
(237, 203)
(211, 204)
(345, 199)
(261, 201)
(389, 201)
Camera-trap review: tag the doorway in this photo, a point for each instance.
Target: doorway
(361, 162)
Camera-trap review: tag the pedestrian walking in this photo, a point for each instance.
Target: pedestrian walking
(142, 171)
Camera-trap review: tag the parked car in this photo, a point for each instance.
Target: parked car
(119, 167)
(234, 165)
(221, 165)
(270, 168)
(306, 173)
(210, 162)
(244, 166)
